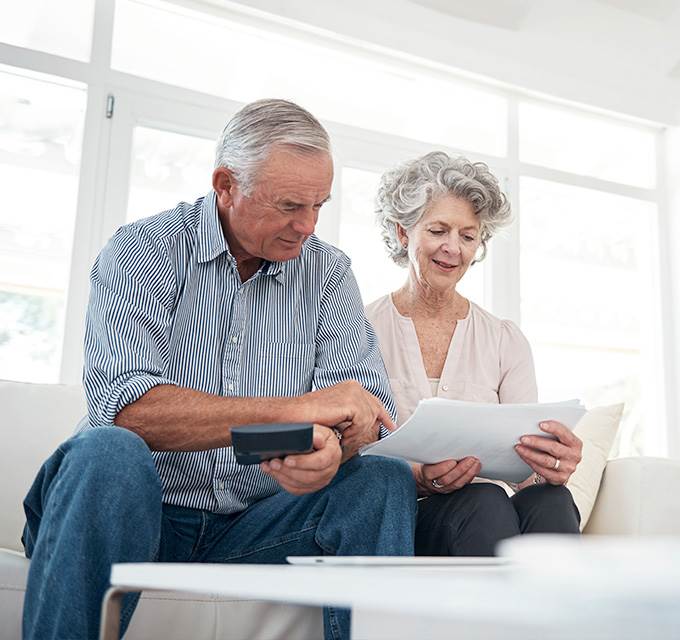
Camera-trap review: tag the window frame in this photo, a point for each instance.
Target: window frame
(161, 105)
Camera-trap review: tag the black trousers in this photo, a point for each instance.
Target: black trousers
(472, 520)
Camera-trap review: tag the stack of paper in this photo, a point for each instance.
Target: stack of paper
(442, 429)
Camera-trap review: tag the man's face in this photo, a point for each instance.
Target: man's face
(282, 209)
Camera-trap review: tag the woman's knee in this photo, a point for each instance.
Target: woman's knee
(547, 508)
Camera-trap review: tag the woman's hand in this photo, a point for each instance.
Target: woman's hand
(446, 476)
(554, 460)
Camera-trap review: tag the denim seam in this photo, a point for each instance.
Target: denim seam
(199, 537)
(272, 545)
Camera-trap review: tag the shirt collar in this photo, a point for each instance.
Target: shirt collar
(212, 243)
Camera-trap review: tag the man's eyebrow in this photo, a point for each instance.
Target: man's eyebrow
(325, 200)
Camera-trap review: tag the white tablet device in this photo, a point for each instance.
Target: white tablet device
(398, 561)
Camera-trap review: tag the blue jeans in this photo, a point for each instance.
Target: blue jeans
(97, 501)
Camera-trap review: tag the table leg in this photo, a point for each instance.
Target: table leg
(109, 627)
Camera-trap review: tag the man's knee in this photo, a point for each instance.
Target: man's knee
(113, 455)
(381, 473)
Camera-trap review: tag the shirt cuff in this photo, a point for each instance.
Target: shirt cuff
(121, 394)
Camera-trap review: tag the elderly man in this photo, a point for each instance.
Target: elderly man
(220, 313)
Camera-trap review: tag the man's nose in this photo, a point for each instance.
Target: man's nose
(305, 221)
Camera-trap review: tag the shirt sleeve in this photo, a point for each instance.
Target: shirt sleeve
(132, 293)
(346, 345)
(518, 377)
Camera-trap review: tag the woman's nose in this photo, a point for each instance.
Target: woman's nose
(451, 246)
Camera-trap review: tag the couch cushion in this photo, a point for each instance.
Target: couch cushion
(597, 429)
(638, 496)
(36, 418)
(176, 616)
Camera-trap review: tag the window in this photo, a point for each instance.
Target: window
(586, 144)
(167, 168)
(41, 121)
(40, 24)
(578, 269)
(588, 301)
(246, 63)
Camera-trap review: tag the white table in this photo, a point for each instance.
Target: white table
(567, 588)
(369, 591)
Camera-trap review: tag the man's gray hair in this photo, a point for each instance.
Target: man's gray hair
(249, 136)
(406, 192)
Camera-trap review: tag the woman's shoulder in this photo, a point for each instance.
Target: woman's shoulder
(379, 308)
(506, 331)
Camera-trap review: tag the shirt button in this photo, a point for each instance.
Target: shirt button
(445, 387)
(234, 339)
(230, 386)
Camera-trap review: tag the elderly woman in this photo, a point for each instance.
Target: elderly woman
(437, 214)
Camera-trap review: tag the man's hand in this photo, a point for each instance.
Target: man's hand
(446, 476)
(307, 472)
(351, 409)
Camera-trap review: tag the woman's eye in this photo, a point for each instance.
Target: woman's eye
(436, 232)
(469, 238)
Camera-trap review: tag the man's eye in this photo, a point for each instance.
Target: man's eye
(436, 232)
(469, 238)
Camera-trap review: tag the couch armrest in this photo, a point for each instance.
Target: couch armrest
(638, 496)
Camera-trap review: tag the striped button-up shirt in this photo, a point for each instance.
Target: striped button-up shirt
(167, 306)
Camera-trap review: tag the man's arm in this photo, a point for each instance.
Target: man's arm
(171, 418)
(347, 349)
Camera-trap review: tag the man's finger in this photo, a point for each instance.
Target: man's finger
(384, 417)
(317, 460)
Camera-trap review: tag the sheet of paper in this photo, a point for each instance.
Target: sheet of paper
(442, 429)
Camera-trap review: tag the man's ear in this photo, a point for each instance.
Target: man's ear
(224, 184)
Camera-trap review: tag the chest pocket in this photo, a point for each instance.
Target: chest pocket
(286, 368)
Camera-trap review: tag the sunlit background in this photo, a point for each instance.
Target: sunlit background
(580, 269)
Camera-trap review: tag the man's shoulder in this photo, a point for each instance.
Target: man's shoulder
(317, 251)
(165, 227)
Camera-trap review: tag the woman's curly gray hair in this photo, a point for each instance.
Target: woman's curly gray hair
(407, 191)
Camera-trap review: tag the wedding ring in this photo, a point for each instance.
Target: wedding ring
(436, 484)
(557, 464)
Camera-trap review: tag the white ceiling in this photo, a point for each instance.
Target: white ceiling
(619, 55)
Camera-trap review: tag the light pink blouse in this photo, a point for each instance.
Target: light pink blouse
(489, 359)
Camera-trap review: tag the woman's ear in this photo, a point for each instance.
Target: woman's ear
(224, 184)
(401, 234)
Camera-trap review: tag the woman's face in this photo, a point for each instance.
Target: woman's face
(443, 244)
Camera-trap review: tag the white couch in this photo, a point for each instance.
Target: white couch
(637, 496)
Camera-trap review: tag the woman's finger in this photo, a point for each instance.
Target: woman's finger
(562, 433)
(547, 445)
(462, 474)
(548, 471)
(439, 469)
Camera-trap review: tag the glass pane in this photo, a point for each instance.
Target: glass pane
(167, 168)
(40, 143)
(588, 302)
(63, 28)
(360, 239)
(334, 84)
(587, 145)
